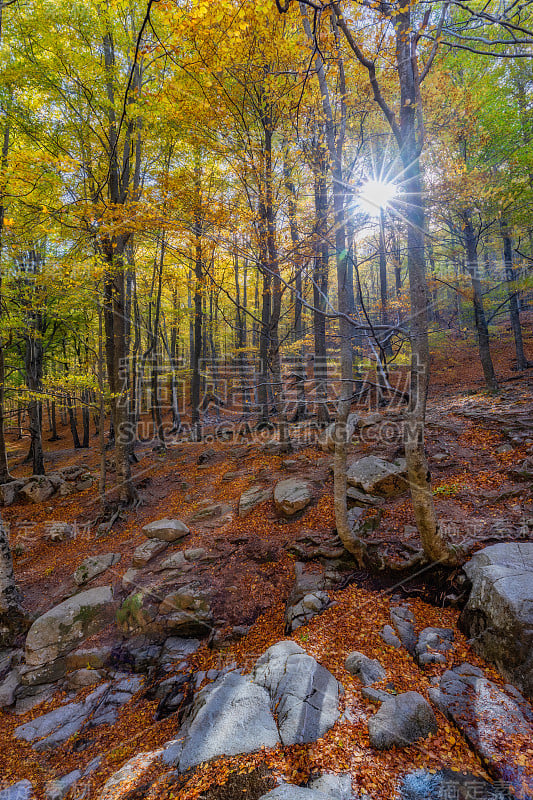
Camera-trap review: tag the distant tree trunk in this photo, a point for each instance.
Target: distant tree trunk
(320, 282)
(53, 422)
(4, 467)
(514, 311)
(479, 310)
(198, 312)
(85, 416)
(266, 299)
(33, 362)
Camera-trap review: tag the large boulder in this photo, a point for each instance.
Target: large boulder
(38, 489)
(400, 721)
(499, 612)
(227, 718)
(287, 791)
(252, 497)
(292, 495)
(305, 695)
(498, 725)
(63, 627)
(123, 782)
(166, 530)
(9, 492)
(93, 566)
(373, 475)
(446, 783)
(23, 790)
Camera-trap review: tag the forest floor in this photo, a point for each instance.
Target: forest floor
(475, 441)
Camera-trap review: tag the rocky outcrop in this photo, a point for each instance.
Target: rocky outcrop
(499, 612)
(235, 714)
(252, 497)
(305, 695)
(62, 628)
(373, 475)
(400, 721)
(23, 790)
(432, 645)
(291, 496)
(496, 724)
(93, 566)
(39, 488)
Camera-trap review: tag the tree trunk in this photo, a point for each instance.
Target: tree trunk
(514, 311)
(479, 310)
(13, 618)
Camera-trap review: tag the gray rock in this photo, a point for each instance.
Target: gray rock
(123, 781)
(304, 694)
(400, 721)
(287, 791)
(23, 790)
(446, 784)
(338, 786)
(54, 728)
(368, 670)
(176, 650)
(377, 696)
(252, 497)
(146, 551)
(373, 475)
(292, 495)
(431, 645)
(499, 612)
(8, 688)
(84, 677)
(327, 438)
(403, 620)
(307, 608)
(389, 637)
(61, 629)
(488, 717)
(176, 561)
(130, 579)
(227, 718)
(94, 565)
(45, 673)
(9, 492)
(166, 530)
(59, 788)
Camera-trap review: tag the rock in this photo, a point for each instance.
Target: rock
(360, 524)
(189, 623)
(377, 696)
(166, 530)
(499, 612)
(61, 629)
(8, 687)
(362, 499)
(206, 455)
(176, 650)
(403, 620)
(94, 565)
(447, 783)
(304, 694)
(54, 728)
(38, 489)
(210, 510)
(227, 718)
(253, 497)
(89, 658)
(368, 670)
(287, 791)
(59, 788)
(176, 561)
(130, 579)
(326, 440)
(59, 532)
(147, 551)
(337, 786)
(400, 721)
(23, 790)
(431, 645)
(50, 672)
(311, 545)
(190, 598)
(375, 476)
(389, 637)
(493, 722)
(307, 608)
(195, 554)
(9, 492)
(292, 495)
(84, 677)
(123, 782)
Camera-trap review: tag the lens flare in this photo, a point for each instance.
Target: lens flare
(375, 196)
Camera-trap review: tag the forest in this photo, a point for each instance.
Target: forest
(266, 399)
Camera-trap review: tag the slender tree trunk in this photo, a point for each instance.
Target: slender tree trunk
(479, 310)
(514, 311)
(4, 466)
